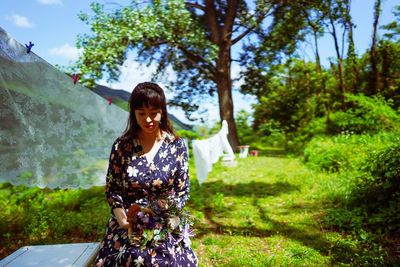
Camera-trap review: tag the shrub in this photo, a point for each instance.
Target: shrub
(345, 151)
(187, 134)
(377, 190)
(365, 115)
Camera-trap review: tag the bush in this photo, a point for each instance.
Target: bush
(325, 154)
(365, 115)
(37, 216)
(189, 135)
(377, 191)
(345, 152)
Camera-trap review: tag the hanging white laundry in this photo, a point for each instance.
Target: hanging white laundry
(208, 151)
(202, 159)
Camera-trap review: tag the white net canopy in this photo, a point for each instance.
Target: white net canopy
(53, 133)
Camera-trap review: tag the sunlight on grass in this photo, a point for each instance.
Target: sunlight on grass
(264, 212)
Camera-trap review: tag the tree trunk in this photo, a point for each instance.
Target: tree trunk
(325, 100)
(373, 57)
(317, 57)
(339, 58)
(224, 86)
(352, 71)
(221, 35)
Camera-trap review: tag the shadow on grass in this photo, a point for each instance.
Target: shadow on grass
(257, 189)
(314, 238)
(340, 252)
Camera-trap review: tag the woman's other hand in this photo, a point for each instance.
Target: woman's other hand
(120, 214)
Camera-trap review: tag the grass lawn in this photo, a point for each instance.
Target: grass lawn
(266, 211)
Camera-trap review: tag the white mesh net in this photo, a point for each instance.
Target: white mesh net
(53, 132)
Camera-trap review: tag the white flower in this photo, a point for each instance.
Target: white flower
(181, 184)
(174, 222)
(173, 150)
(163, 154)
(173, 171)
(180, 157)
(121, 252)
(157, 182)
(165, 168)
(132, 171)
(139, 262)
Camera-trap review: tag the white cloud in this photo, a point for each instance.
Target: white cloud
(20, 21)
(50, 2)
(66, 51)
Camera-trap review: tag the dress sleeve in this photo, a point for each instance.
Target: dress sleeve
(114, 189)
(181, 179)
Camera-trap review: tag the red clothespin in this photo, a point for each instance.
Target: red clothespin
(75, 78)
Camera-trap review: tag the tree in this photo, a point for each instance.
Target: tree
(292, 102)
(195, 38)
(373, 55)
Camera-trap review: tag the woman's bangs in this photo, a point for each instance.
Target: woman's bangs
(147, 100)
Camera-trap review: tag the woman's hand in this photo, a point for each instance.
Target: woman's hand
(120, 214)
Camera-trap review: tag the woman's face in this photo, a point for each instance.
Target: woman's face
(148, 119)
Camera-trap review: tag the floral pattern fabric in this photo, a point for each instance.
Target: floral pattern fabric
(132, 179)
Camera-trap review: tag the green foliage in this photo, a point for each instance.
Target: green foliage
(394, 27)
(389, 68)
(190, 135)
(367, 207)
(377, 190)
(39, 216)
(189, 37)
(327, 155)
(166, 33)
(291, 102)
(245, 132)
(345, 152)
(365, 115)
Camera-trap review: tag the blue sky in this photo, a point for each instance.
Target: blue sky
(53, 25)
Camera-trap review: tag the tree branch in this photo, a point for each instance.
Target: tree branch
(211, 16)
(196, 5)
(196, 59)
(190, 55)
(229, 19)
(243, 34)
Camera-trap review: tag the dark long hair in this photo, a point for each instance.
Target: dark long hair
(146, 94)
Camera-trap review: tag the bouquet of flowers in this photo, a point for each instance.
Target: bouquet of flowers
(160, 219)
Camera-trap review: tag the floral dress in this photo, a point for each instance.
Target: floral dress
(132, 179)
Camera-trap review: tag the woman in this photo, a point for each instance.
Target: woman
(147, 179)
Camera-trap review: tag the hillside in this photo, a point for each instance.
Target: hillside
(121, 97)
